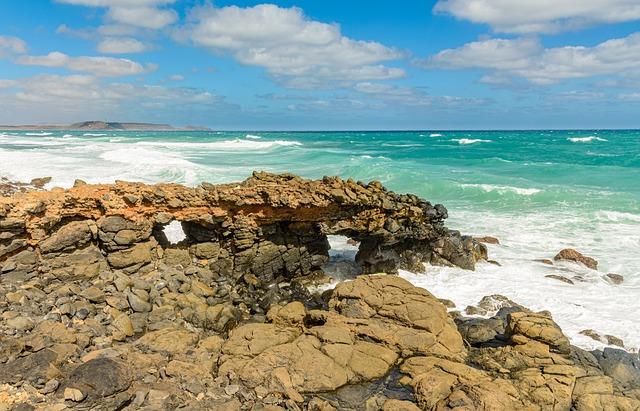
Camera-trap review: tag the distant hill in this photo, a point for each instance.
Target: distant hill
(104, 126)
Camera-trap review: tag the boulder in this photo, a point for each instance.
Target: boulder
(569, 254)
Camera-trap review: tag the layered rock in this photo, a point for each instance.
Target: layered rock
(269, 226)
(99, 310)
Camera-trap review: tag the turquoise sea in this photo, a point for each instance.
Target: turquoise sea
(537, 191)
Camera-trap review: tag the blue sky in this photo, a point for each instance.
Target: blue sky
(447, 64)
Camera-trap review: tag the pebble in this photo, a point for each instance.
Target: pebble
(73, 394)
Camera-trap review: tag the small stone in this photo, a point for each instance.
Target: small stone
(487, 240)
(73, 394)
(613, 340)
(51, 386)
(615, 278)
(231, 389)
(560, 278)
(93, 294)
(544, 261)
(137, 303)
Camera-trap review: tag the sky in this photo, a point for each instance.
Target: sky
(323, 65)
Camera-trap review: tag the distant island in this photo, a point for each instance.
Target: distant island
(104, 125)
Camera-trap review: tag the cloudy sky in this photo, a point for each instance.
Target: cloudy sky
(309, 64)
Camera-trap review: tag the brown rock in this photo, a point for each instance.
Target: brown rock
(615, 278)
(560, 278)
(488, 240)
(569, 254)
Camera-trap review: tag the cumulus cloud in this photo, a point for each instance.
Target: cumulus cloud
(11, 45)
(300, 52)
(121, 45)
(140, 13)
(537, 16)
(99, 66)
(526, 58)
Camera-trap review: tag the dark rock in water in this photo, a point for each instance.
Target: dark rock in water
(560, 278)
(615, 278)
(40, 182)
(544, 261)
(569, 254)
(488, 240)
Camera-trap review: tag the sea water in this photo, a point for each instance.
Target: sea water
(537, 191)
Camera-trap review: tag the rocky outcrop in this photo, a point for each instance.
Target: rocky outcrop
(380, 344)
(100, 311)
(269, 227)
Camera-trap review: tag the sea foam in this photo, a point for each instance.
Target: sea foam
(465, 141)
(237, 144)
(504, 189)
(586, 139)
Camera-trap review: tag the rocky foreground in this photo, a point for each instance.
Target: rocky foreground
(99, 310)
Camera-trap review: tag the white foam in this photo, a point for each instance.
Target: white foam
(94, 135)
(465, 141)
(586, 139)
(500, 189)
(402, 145)
(67, 135)
(435, 135)
(237, 144)
(617, 216)
(38, 134)
(174, 232)
(253, 137)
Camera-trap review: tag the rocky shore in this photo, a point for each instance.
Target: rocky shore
(101, 310)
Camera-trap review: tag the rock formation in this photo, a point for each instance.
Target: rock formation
(100, 311)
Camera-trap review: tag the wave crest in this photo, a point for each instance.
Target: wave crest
(586, 139)
(465, 141)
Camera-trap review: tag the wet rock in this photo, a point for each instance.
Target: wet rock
(488, 240)
(615, 278)
(569, 254)
(560, 278)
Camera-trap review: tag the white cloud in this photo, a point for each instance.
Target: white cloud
(11, 45)
(293, 48)
(121, 45)
(99, 66)
(56, 98)
(535, 16)
(526, 58)
(139, 13)
(176, 77)
(629, 97)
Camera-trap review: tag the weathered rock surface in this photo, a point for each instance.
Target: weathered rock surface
(98, 311)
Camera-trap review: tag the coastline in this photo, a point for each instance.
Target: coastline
(117, 296)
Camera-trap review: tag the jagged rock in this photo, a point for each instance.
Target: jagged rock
(269, 226)
(569, 254)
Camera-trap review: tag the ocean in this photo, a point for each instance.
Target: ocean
(537, 191)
